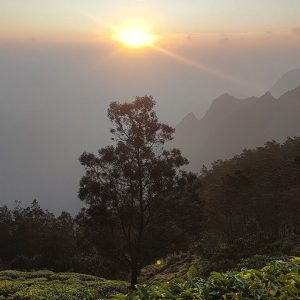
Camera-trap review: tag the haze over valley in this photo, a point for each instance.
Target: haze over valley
(61, 64)
(54, 100)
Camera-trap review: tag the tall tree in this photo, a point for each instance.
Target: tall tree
(124, 181)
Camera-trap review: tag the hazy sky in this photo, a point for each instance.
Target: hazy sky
(88, 18)
(59, 69)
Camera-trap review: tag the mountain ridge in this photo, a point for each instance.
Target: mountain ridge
(232, 124)
(289, 81)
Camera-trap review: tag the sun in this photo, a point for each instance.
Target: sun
(135, 37)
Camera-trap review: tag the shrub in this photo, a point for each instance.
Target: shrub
(277, 280)
(47, 285)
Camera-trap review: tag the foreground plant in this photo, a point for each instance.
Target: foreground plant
(47, 285)
(277, 280)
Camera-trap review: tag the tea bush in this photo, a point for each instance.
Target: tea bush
(277, 280)
(47, 285)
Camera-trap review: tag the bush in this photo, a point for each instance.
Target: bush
(47, 285)
(277, 280)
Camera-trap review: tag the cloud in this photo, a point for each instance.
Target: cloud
(296, 30)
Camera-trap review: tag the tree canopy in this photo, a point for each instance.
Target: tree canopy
(125, 181)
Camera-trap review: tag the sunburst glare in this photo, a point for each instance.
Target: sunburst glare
(135, 36)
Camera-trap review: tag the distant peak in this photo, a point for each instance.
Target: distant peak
(189, 119)
(225, 95)
(224, 99)
(190, 116)
(289, 81)
(267, 96)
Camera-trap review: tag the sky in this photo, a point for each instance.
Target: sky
(60, 68)
(90, 18)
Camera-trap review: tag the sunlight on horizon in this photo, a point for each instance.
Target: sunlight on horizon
(135, 36)
(139, 36)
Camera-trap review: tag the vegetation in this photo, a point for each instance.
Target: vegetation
(125, 181)
(277, 280)
(47, 285)
(35, 238)
(251, 203)
(142, 208)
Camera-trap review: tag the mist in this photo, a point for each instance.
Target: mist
(54, 97)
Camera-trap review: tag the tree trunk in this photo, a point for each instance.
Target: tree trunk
(134, 275)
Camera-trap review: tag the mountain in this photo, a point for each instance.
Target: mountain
(287, 82)
(232, 124)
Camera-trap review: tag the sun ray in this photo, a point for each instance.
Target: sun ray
(198, 65)
(138, 37)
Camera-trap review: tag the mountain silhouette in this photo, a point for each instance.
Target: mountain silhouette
(287, 82)
(232, 124)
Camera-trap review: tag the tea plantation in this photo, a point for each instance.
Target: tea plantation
(277, 280)
(47, 285)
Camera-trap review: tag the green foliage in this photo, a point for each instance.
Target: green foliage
(47, 285)
(278, 280)
(250, 202)
(36, 239)
(192, 272)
